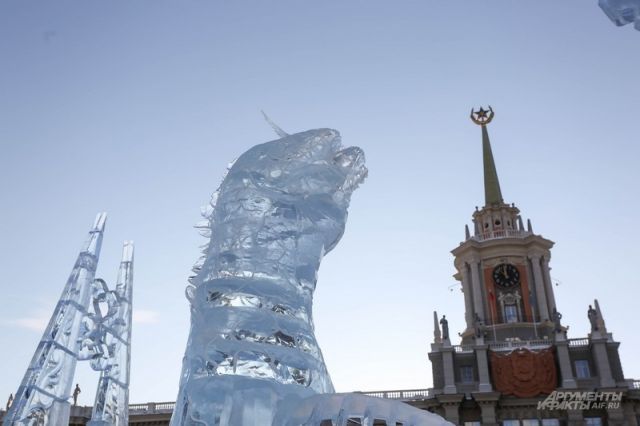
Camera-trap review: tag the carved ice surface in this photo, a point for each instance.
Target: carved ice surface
(252, 350)
(622, 12)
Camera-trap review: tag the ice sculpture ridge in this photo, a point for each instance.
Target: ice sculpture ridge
(252, 355)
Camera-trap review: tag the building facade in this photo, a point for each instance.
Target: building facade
(515, 364)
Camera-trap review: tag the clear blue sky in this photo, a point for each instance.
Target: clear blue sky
(135, 108)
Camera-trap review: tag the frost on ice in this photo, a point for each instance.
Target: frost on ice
(252, 357)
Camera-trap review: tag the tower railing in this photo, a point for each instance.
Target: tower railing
(403, 395)
(508, 345)
(502, 233)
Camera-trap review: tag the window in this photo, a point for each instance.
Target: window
(466, 374)
(472, 424)
(550, 422)
(582, 369)
(530, 422)
(511, 423)
(510, 313)
(593, 421)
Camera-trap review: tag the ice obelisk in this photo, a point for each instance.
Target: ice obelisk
(252, 357)
(77, 331)
(111, 406)
(44, 391)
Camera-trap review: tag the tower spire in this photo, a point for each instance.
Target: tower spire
(492, 193)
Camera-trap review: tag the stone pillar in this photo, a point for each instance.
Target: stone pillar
(546, 271)
(574, 418)
(449, 373)
(468, 300)
(488, 409)
(630, 415)
(615, 417)
(599, 352)
(484, 384)
(451, 405)
(452, 412)
(478, 305)
(538, 283)
(566, 370)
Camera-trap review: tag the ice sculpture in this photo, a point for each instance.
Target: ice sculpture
(622, 12)
(78, 331)
(252, 357)
(111, 406)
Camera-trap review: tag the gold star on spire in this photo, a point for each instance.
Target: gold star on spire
(482, 117)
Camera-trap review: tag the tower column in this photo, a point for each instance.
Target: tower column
(484, 384)
(548, 284)
(468, 300)
(599, 351)
(539, 287)
(449, 374)
(564, 360)
(478, 306)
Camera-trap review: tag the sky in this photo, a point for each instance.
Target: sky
(136, 108)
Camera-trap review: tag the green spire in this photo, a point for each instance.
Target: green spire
(492, 193)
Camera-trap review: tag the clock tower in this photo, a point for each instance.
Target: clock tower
(503, 267)
(514, 353)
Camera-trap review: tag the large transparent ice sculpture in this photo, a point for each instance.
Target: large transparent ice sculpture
(252, 357)
(622, 12)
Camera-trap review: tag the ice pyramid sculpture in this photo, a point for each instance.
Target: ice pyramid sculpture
(252, 357)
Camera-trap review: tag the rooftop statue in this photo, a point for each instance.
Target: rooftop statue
(252, 357)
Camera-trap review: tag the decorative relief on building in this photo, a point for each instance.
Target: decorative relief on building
(524, 373)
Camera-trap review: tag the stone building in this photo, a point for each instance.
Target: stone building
(514, 351)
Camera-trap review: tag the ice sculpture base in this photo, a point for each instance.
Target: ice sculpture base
(241, 402)
(341, 407)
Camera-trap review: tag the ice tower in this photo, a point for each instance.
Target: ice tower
(79, 330)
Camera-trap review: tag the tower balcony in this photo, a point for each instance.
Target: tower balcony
(500, 233)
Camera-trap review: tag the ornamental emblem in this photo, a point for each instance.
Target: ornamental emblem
(524, 373)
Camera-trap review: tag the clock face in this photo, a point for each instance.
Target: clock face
(506, 275)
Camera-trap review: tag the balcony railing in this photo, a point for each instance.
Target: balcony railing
(504, 233)
(508, 346)
(402, 395)
(152, 407)
(579, 342)
(529, 344)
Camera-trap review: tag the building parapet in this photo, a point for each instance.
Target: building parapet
(578, 342)
(503, 233)
(402, 395)
(509, 345)
(152, 407)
